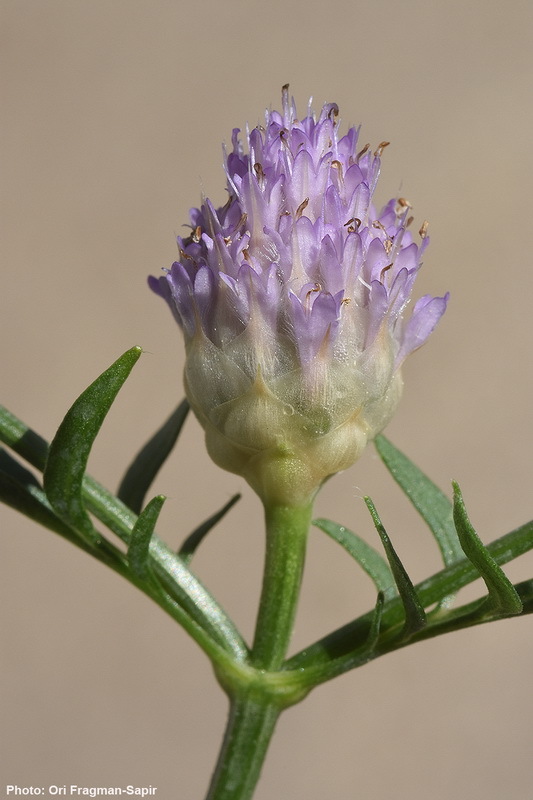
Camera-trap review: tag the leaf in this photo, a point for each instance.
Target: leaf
(20, 489)
(346, 647)
(141, 535)
(191, 543)
(525, 592)
(427, 498)
(375, 624)
(147, 463)
(28, 444)
(366, 556)
(503, 597)
(188, 600)
(415, 617)
(70, 448)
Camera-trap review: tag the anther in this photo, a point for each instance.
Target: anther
(228, 203)
(423, 232)
(301, 208)
(383, 271)
(316, 288)
(354, 221)
(185, 255)
(380, 148)
(241, 222)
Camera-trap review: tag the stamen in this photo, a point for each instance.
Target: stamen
(383, 271)
(380, 148)
(316, 288)
(301, 208)
(354, 221)
(185, 255)
(227, 204)
(424, 229)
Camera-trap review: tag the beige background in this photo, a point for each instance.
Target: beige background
(115, 111)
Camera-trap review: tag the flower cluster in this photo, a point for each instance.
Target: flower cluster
(291, 299)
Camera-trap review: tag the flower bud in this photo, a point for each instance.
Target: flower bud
(291, 298)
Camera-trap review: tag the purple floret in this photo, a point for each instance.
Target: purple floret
(299, 252)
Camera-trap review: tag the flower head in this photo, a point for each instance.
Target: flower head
(291, 298)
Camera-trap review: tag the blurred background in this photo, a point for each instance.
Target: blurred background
(114, 114)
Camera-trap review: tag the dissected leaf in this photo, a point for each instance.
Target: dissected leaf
(20, 489)
(366, 556)
(432, 504)
(525, 592)
(24, 441)
(415, 617)
(147, 463)
(375, 624)
(143, 530)
(191, 543)
(70, 448)
(503, 598)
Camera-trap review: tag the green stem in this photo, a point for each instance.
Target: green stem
(250, 727)
(286, 540)
(254, 708)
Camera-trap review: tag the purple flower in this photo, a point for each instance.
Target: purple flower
(291, 298)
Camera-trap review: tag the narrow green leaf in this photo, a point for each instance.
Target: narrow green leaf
(345, 648)
(525, 593)
(375, 624)
(366, 556)
(503, 598)
(28, 444)
(191, 543)
(189, 601)
(149, 460)
(432, 504)
(141, 535)
(20, 489)
(415, 617)
(14, 469)
(70, 448)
